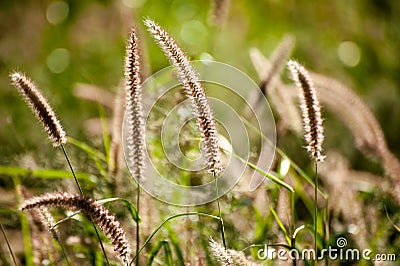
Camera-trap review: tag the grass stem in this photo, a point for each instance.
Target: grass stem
(80, 190)
(316, 210)
(63, 251)
(221, 221)
(164, 222)
(8, 244)
(137, 223)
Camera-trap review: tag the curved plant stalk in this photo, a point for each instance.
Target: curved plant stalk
(24, 225)
(167, 249)
(136, 138)
(167, 220)
(195, 92)
(285, 156)
(49, 120)
(8, 244)
(81, 192)
(96, 212)
(40, 173)
(313, 128)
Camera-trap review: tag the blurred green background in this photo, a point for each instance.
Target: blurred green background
(62, 43)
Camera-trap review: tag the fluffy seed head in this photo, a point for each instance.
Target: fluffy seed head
(136, 139)
(96, 212)
(194, 90)
(311, 110)
(277, 62)
(40, 107)
(228, 257)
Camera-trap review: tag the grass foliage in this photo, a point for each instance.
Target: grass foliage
(74, 50)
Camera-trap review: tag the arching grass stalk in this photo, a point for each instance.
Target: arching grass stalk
(195, 92)
(312, 123)
(49, 120)
(63, 252)
(94, 211)
(164, 222)
(81, 192)
(8, 244)
(136, 138)
(296, 167)
(137, 223)
(316, 207)
(221, 221)
(44, 221)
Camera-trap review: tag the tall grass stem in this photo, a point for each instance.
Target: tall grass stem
(137, 223)
(8, 244)
(81, 192)
(221, 221)
(316, 209)
(164, 222)
(64, 253)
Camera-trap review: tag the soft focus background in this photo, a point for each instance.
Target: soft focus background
(61, 44)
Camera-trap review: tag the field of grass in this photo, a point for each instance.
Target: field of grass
(74, 51)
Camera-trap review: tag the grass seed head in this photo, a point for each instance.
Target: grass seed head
(195, 92)
(311, 110)
(96, 212)
(136, 137)
(40, 107)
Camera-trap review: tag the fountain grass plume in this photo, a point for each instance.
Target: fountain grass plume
(194, 90)
(96, 212)
(40, 107)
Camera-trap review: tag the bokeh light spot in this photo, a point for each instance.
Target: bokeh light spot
(206, 57)
(349, 53)
(194, 32)
(183, 11)
(133, 3)
(57, 12)
(58, 60)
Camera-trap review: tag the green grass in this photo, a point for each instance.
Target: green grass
(94, 34)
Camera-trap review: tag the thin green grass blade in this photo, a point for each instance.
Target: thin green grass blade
(391, 221)
(131, 208)
(106, 135)
(319, 240)
(301, 194)
(283, 154)
(175, 243)
(154, 252)
(280, 224)
(8, 244)
(92, 152)
(24, 227)
(65, 219)
(98, 158)
(27, 240)
(167, 220)
(10, 211)
(300, 171)
(268, 175)
(40, 173)
(168, 254)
